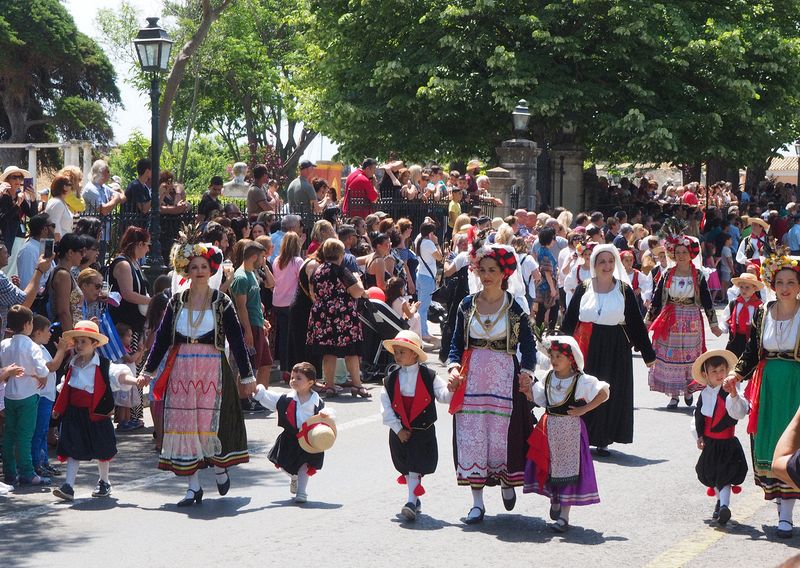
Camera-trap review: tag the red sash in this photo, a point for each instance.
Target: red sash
(752, 392)
(457, 402)
(742, 323)
(161, 382)
(539, 451)
(583, 334)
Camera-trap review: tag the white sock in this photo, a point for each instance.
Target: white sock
(785, 511)
(194, 481)
(477, 498)
(221, 473)
(412, 480)
(564, 514)
(72, 471)
(302, 479)
(104, 467)
(724, 496)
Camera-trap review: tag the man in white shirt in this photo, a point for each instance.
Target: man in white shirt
(40, 227)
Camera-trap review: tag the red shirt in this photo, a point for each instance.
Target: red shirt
(358, 185)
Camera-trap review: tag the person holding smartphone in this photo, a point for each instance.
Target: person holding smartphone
(16, 203)
(40, 230)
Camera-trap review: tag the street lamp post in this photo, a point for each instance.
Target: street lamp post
(153, 48)
(797, 153)
(520, 116)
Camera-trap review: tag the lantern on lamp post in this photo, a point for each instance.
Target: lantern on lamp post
(153, 47)
(520, 117)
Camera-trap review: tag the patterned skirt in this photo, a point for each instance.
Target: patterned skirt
(779, 400)
(675, 353)
(203, 420)
(491, 430)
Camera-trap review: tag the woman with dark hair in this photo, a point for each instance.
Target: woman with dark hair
(65, 299)
(258, 230)
(91, 250)
(57, 208)
(379, 264)
(91, 226)
(300, 309)
(428, 253)
(125, 277)
(241, 228)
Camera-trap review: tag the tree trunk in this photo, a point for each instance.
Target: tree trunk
(178, 70)
(290, 165)
(189, 126)
(755, 175)
(691, 172)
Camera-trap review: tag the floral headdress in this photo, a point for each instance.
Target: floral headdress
(186, 248)
(504, 255)
(673, 232)
(777, 262)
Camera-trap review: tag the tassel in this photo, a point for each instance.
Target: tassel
(419, 490)
(311, 471)
(736, 489)
(710, 492)
(401, 479)
(277, 466)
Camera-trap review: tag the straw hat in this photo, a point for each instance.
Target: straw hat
(87, 328)
(758, 221)
(748, 278)
(472, 164)
(317, 434)
(10, 170)
(409, 340)
(697, 367)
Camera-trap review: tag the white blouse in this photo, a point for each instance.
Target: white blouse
(780, 335)
(577, 275)
(603, 309)
(498, 324)
(206, 324)
(83, 377)
(682, 287)
(586, 389)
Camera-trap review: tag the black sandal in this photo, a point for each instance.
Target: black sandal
(474, 520)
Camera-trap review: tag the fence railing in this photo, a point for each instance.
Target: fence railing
(114, 224)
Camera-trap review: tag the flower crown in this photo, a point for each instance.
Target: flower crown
(777, 262)
(674, 235)
(185, 249)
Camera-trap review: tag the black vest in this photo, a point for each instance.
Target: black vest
(283, 421)
(427, 417)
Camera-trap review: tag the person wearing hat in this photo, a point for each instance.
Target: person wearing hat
(738, 314)
(300, 194)
(491, 416)
(16, 203)
(85, 405)
(473, 192)
(756, 246)
(559, 461)
(408, 407)
(721, 466)
(308, 428)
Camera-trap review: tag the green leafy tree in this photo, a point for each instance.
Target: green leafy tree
(54, 80)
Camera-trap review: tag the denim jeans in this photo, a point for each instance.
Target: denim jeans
(39, 442)
(425, 288)
(20, 424)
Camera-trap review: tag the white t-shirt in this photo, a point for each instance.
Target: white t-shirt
(426, 250)
(49, 390)
(21, 349)
(60, 215)
(528, 265)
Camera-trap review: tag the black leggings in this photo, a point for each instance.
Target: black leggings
(552, 315)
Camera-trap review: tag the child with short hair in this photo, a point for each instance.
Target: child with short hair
(125, 397)
(722, 465)
(408, 407)
(47, 396)
(85, 405)
(21, 398)
(738, 314)
(559, 461)
(308, 428)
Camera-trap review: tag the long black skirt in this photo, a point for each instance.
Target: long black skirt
(299, 350)
(609, 359)
(721, 463)
(737, 343)
(84, 439)
(420, 454)
(289, 456)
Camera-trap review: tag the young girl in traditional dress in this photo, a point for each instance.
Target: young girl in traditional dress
(559, 461)
(722, 466)
(739, 312)
(408, 407)
(308, 430)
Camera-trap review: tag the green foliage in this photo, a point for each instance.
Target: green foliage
(207, 157)
(682, 81)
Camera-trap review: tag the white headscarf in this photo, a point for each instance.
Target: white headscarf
(619, 269)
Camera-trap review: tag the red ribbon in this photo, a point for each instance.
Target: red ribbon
(161, 383)
(583, 334)
(457, 402)
(742, 323)
(305, 430)
(539, 451)
(753, 393)
(663, 323)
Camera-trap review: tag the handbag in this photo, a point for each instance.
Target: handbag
(442, 292)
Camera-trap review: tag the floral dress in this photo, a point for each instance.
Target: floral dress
(333, 324)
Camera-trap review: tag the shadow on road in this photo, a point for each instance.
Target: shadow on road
(625, 460)
(519, 528)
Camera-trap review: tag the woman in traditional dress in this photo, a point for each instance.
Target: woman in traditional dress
(604, 317)
(771, 363)
(203, 420)
(491, 418)
(675, 320)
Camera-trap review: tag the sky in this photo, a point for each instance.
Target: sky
(135, 113)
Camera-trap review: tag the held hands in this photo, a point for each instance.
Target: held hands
(248, 390)
(730, 388)
(455, 379)
(404, 435)
(729, 382)
(700, 443)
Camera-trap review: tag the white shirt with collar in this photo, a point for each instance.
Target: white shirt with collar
(408, 387)
(304, 410)
(21, 349)
(83, 377)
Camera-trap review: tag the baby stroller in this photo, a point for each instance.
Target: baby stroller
(380, 322)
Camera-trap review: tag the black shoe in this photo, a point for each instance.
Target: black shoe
(786, 533)
(602, 452)
(65, 492)
(197, 497)
(715, 514)
(474, 520)
(555, 511)
(509, 503)
(724, 515)
(103, 489)
(688, 399)
(673, 403)
(224, 487)
(409, 511)
(419, 506)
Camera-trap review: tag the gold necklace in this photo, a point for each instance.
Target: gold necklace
(195, 321)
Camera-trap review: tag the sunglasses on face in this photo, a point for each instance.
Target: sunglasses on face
(17, 176)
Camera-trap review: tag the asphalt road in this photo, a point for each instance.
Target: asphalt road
(654, 512)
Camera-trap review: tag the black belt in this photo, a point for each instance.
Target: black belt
(206, 339)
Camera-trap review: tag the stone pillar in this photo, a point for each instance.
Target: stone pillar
(501, 185)
(71, 154)
(32, 163)
(568, 191)
(87, 162)
(519, 157)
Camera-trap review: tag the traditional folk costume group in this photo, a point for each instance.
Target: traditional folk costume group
(738, 314)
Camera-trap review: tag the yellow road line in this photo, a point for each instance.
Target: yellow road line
(695, 545)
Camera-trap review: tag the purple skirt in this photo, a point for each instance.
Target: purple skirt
(583, 492)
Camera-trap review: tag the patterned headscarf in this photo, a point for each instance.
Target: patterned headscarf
(691, 244)
(504, 255)
(567, 346)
